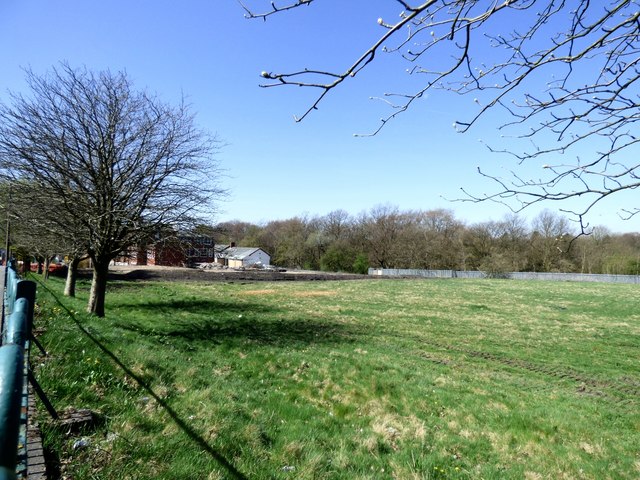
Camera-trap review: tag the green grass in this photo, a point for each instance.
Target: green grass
(377, 379)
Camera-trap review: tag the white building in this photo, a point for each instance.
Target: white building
(237, 257)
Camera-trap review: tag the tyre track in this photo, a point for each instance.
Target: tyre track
(627, 388)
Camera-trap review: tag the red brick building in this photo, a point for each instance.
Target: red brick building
(182, 251)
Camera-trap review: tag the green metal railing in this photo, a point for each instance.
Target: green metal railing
(17, 321)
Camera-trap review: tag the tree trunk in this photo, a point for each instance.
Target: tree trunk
(26, 264)
(72, 275)
(98, 287)
(45, 270)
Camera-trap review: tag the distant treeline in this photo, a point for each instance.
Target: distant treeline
(386, 237)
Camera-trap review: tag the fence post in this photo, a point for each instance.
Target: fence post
(27, 289)
(10, 293)
(11, 383)
(6, 474)
(18, 310)
(17, 325)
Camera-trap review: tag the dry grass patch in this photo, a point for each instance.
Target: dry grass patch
(319, 293)
(258, 292)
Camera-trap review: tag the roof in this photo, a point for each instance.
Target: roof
(240, 253)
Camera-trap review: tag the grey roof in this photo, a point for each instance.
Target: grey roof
(240, 253)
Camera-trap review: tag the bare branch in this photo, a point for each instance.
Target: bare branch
(274, 9)
(566, 75)
(366, 58)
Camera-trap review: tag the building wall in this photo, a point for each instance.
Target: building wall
(259, 256)
(141, 256)
(151, 256)
(169, 256)
(256, 257)
(233, 263)
(183, 252)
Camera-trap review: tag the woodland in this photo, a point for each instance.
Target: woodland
(387, 237)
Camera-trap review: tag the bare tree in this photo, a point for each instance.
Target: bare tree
(511, 238)
(564, 73)
(441, 239)
(30, 224)
(336, 224)
(382, 226)
(121, 163)
(40, 225)
(551, 241)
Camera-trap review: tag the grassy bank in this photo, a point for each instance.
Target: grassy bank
(348, 380)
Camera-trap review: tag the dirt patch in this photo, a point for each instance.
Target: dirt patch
(180, 274)
(314, 294)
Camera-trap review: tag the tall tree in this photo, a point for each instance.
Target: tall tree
(512, 241)
(550, 243)
(382, 227)
(441, 239)
(121, 163)
(594, 250)
(481, 247)
(337, 225)
(564, 74)
(290, 241)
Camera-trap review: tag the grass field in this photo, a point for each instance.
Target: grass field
(374, 379)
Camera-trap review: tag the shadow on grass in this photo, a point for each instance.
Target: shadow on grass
(231, 470)
(279, 333)
(122, 286)
(198, 307)
(214, 322)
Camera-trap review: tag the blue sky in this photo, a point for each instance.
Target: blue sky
(277, 168)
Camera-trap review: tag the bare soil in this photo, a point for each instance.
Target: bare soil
(181, 274)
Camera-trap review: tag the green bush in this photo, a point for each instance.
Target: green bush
(337, 259)
(495, 266)
(361, 264)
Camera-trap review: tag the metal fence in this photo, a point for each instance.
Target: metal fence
(557, 277)
(17, 321)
